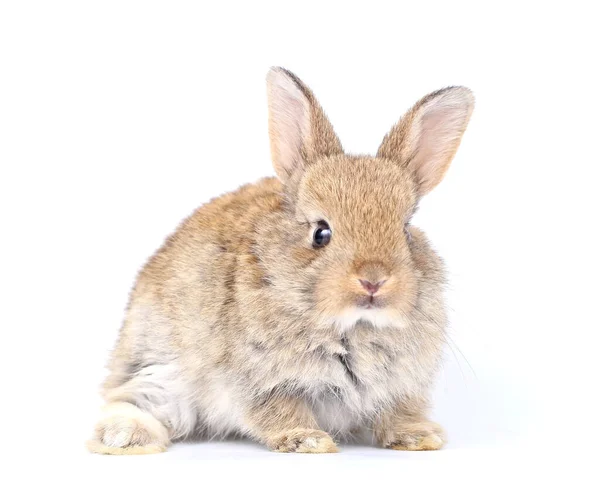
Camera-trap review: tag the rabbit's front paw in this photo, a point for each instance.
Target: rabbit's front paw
(124, 429)
(419, 436)
(303, 441)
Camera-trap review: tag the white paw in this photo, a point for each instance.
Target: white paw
(124, 429)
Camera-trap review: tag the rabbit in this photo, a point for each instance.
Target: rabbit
(299, 310)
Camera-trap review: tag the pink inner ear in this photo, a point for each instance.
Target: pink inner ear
(291, 133)
(441, 127)
(289, 125)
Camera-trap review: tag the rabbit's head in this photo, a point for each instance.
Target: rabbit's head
(353, 243)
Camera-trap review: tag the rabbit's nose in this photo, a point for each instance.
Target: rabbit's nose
(372, 288)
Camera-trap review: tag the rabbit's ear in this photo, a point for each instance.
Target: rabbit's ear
(427, 137)
(298, 128)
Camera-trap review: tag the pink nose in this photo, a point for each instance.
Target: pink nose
(371, 287)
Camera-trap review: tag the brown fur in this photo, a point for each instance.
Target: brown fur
(238, 325)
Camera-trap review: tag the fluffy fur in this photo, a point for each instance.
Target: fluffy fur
(238, 325)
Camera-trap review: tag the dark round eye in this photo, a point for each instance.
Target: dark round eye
(322, 235)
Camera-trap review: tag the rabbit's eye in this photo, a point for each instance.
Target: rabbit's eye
(322, 234)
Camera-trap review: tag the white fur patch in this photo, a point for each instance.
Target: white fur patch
(310, 442)
(379, 318)
(221, 416)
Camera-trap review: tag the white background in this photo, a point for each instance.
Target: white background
(118, 118)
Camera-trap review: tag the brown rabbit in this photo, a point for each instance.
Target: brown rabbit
(299, 308)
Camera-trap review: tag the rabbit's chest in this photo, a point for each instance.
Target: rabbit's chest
(359, 380)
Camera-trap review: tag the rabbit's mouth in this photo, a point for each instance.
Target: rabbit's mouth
(370, 302)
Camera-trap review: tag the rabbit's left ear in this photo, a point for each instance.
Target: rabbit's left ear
(300, 132)
(427, 137)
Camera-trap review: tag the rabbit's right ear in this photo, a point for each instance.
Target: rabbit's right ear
(300, 132)
(427, 137)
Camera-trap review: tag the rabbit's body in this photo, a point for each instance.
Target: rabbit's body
(238, 325)
(210, 329)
